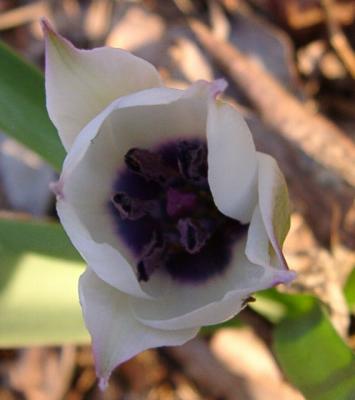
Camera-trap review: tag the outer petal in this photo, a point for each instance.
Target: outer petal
(81, 83)
(94, 161)
(164, 114)
(116, 334)
(258, 243)
(232, 162)
(103, 258)
(271, 218)
(186, 306)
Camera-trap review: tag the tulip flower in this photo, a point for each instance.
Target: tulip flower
(177, 216)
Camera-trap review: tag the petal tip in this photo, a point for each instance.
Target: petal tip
(218, 86)
(285, 277)
(57, 189)
(103, 372)
(103, 383)
(51, 36)
(46, 27)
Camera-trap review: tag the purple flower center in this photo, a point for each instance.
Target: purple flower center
(165, 213)
(179, 203)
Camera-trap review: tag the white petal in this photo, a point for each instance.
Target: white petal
(81, 83)
(96, 156)
(258, 244)
(156, 116)
(108, 263)
(259, 250)
(144, 119)
(232, 162)
(217, 300)
(274, 204)
(116, 334)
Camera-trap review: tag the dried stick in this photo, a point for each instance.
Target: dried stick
(217, 382)
(208, 373)
(330, 216)
(23, 15)
(299, 17)
(314, 134)
(337, 38)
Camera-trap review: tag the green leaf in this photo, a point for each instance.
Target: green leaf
(349, 292)
(314, 357)
(275, 305)
(39, 273)
(231, 323)
(23, 112)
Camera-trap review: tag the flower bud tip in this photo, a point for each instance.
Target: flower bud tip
(218, 86)
(103, 383)
(57, 189)
(45, 25)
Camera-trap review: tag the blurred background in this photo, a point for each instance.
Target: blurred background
(291, 72)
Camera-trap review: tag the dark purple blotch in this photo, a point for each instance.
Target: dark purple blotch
(164, 212)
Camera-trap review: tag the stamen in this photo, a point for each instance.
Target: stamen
(166, 215)
(152, 257)
(192, 236)
(132, 209)
(192, 161)
(147, 164)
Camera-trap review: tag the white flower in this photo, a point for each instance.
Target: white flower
(170, 244)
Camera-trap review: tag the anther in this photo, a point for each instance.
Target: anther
(192, 161)
(147, 164)
(130, 208)
(192, 236)
(152, 257)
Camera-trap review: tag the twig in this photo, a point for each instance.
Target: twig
(337, 38)
(24, 14)
(187, 7)
(66, 365)
(308, 187)
(319, 272)
(216, 381)
(314, 134)
(208, 374)
(299, 17)
(97, 19)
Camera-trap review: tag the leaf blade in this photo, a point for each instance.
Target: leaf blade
(38, 286)
(349, 291)
(23, 114)
(314, 357)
